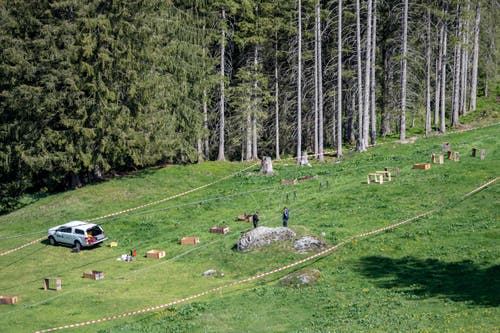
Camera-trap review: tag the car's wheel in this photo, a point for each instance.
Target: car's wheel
(52, 241)
(78, 246)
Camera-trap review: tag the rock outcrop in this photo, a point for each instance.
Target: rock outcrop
(262, 236)
(308, 244)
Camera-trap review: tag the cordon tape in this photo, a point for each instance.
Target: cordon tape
(138, 207)
(260, 275)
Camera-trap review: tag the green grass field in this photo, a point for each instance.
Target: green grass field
(439, 273)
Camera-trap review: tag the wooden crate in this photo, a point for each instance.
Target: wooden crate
(57, 280)
(219, 230)
(440, 158)
(306, 178)
(246, 218)
(423, 166)
(189, 240)
(386, 174)
(9, 299)
(94, 275)
(378, 178)
(289, 181)
(155, 254)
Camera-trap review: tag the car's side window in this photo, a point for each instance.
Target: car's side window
(79, 232)
(67, 230)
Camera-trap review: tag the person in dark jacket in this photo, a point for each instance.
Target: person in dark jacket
(255, 219)
(285, 217)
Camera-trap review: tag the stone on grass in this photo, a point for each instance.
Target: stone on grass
(304, 277)
(266, 166)
(213, 272)
(308, 244)
(262, 236)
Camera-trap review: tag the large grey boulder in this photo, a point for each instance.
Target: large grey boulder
(304, 277)
(262, 236)
(308, 244)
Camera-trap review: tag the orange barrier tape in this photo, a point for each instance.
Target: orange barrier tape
(261, 275)
(171, 197)
(22, 246)
(139, 207)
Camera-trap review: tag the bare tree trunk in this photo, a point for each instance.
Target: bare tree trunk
(439, 77)
(402, 135)
(475, 60)
(360, 83)
(442, 127)
(465, 65)
(368, 70)
(221, 156)
(205, 125)
(199, 149)
(276, 98)
(299, 85)
(320, 87)
(387, 82)
(339, 82)
(456, 77)
(248, 150)
(373, 118)
(255, 154)
(490, 55)
(205, 110)
(316, 74)
(351, 109)
(428, 76)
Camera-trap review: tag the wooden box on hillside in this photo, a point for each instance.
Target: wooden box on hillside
(155, 254)
(306, 178)
(247, 218)
(219, 230)
(57, 280)
(289, 181)
(94, 275)
(189, 240)
(9, 299)
(423, 166)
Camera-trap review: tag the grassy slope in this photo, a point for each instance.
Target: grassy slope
(439, 273)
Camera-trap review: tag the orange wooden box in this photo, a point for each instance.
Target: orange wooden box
(9, 299)
(189, 240)
(155, 254)
(94, 275)
(219, 230)
(423, 166)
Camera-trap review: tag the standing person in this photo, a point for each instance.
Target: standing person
(255, 219)
(285, 217)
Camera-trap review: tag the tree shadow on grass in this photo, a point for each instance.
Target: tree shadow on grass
(456, 281)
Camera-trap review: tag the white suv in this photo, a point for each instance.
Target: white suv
(76, 233)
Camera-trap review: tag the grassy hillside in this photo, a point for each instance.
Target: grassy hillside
(439, 273)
